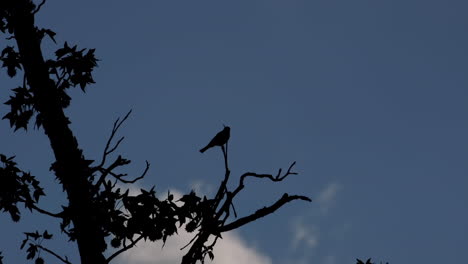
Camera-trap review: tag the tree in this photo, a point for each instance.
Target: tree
(91, 215)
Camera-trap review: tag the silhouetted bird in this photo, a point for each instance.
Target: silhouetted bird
(220, 139)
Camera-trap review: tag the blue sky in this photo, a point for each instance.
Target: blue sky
(369, 97)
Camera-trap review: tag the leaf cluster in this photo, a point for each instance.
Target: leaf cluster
(11, 60)
(17, 186)
(71, 67)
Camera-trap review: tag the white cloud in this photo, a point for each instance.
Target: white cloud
(232, 249)
(303, 235)
(327, 196)
(202, 188)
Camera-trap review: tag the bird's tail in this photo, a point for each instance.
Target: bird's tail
(203, 149)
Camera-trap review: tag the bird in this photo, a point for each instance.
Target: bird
(219, 140)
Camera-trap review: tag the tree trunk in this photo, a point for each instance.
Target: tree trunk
(70, 166)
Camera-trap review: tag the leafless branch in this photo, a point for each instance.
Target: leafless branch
(222, 187)
(108, 149)
(191, 241)
(125, 248)
(106, 171)
(276, 178)
(119, 176)
(279, 177)
(42, 211)
(39, 7)
(64, 260)
(263, 212)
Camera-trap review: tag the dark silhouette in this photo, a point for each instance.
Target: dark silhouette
(368, 261)
(97, 214)
(219, 140)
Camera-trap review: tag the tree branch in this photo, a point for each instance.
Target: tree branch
(228, 202)
(39, 7)
(119, 176)
(120, 162)
(64, 260)
(222, 187)
(42, 211)
(104, 172)
(263, 212)
(276, 178)
(108, 149)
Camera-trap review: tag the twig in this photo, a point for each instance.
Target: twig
(125, 248)
(227, 203)
(115, 128)
(42, 211)
(39, 7)
(119, 176)
(104, 172)
(191, 241)
(276, 178)
(222, 187)
(64, 260)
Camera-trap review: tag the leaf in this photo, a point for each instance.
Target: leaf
(23, 243)
(38, 193)
(46, 235)
(51, 34)
(115, 242)
(32, 250)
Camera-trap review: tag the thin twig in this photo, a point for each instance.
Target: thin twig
(39, 7)
(115, 128)
(276, 178)
(104, 172)
(191, 241)
(119, 176)
(42, 211)
(64, 260)
(125, 248)
(222, 187)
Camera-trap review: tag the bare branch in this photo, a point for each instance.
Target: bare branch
(39, 7)
(64, 260)
(228, 202)
(263, 212)
(42, 211)
(108, 149)
(118, 162)
(116, 145)
(191, 241)
(276, 178)
(119, 176)
(125, 248)
(222, 187)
